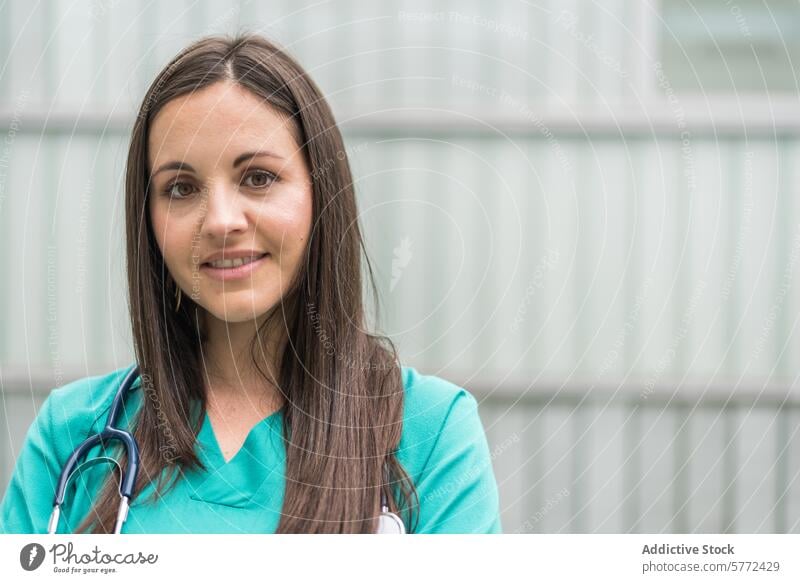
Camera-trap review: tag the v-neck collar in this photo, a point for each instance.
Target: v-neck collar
(208, 438)
(253, 476)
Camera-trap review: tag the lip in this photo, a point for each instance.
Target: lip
(232, 254)
(240, 272)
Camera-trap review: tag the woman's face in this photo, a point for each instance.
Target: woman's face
(227, 177)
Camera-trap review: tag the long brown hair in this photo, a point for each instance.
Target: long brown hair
(342, 385)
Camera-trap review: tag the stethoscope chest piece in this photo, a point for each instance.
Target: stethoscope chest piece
(390, 523)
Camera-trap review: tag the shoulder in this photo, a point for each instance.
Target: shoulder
(69, 414)
(429, 394)
(444, 449)
(78, 408)
(86, 396)
(433, 405)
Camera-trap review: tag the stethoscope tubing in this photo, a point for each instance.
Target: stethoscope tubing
(108, 434)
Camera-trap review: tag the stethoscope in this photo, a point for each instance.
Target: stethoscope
(388, 522)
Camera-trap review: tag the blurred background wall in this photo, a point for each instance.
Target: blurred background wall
(584, 212)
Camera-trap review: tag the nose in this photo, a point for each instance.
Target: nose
(223, 213)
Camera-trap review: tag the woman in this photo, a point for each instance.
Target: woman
(265, 405)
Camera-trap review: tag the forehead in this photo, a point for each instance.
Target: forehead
(224, 119)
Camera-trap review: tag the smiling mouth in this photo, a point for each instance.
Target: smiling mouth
(233, 263)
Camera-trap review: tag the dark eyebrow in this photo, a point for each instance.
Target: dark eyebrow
(239, 159)
(247, 155)
(175, 166)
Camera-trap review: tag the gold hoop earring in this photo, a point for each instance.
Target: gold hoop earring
(178, 295)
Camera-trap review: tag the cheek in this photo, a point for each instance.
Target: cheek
(302, 227)
(288, 227)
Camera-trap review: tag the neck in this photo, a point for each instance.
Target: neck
(230, 371)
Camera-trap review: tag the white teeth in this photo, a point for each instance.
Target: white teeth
(227, 263)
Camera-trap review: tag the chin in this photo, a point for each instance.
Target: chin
(235, 312)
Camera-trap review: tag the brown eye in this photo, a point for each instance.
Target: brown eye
(260, 179)
(179, 190)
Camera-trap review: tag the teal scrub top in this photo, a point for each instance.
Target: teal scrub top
(443, 448)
